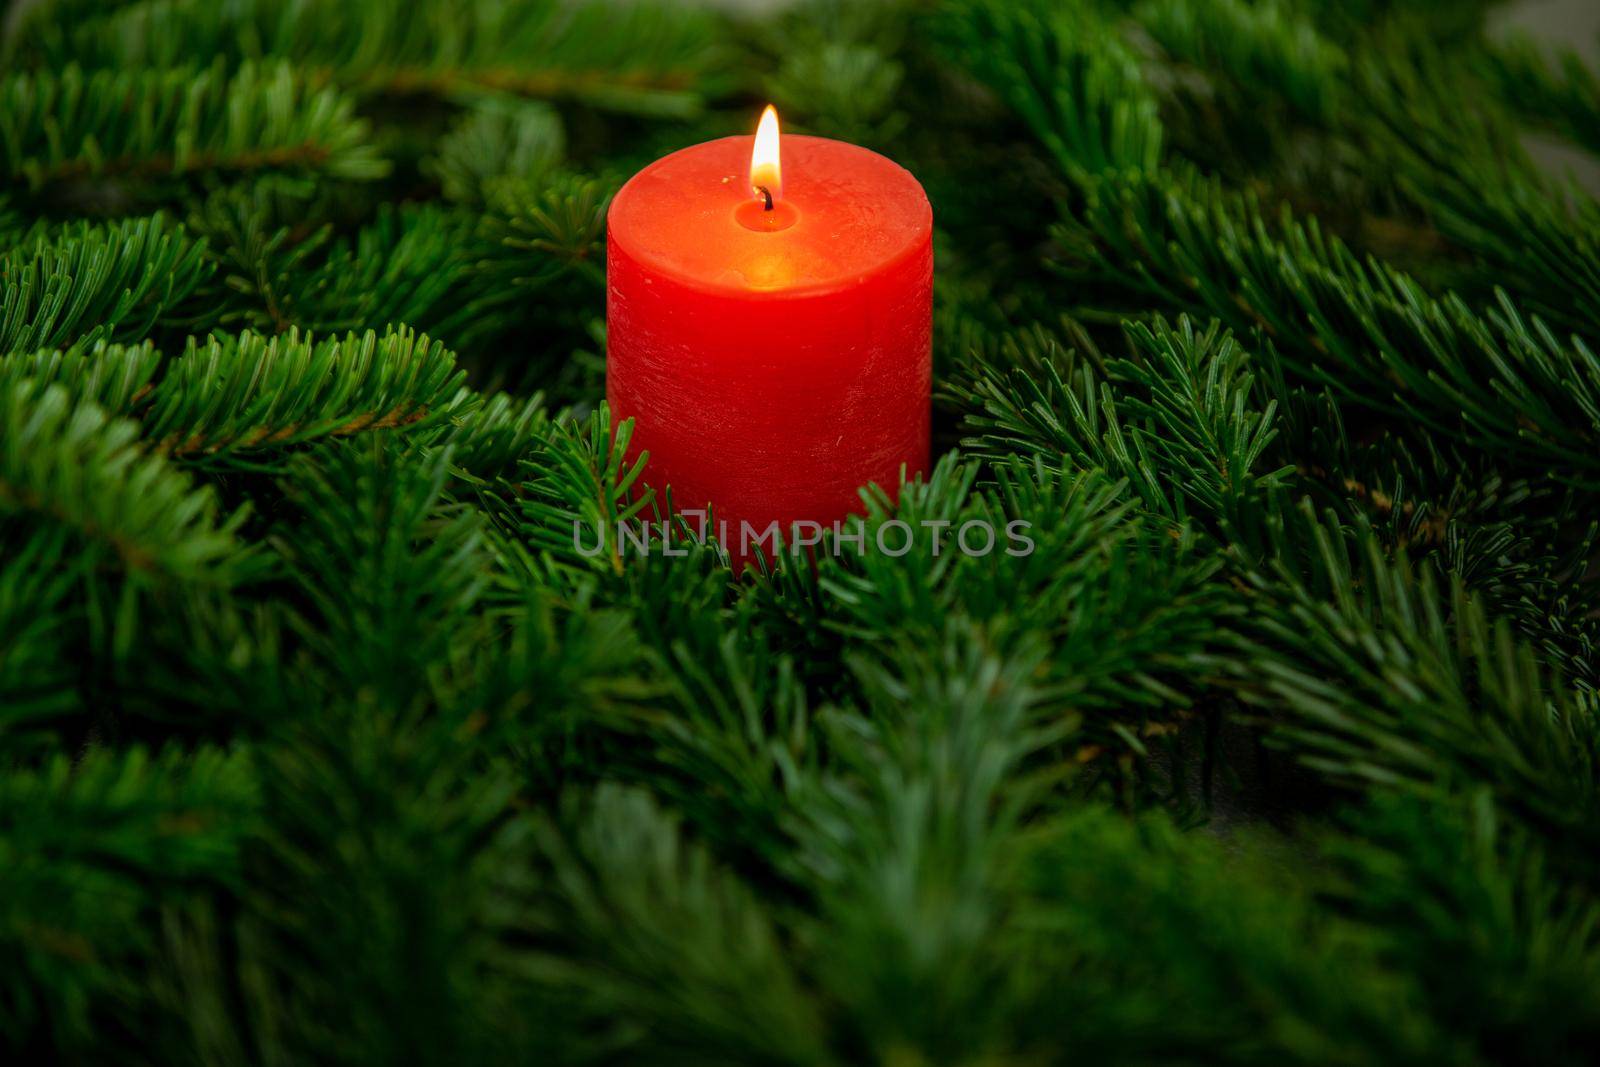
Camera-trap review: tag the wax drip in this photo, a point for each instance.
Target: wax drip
(768, 194)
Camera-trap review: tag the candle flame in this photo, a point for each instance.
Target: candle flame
(766, 171)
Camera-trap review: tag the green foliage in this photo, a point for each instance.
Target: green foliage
(1068, 75)
(1566, 98)
(91, 282)
(390, 569)
(640, 56)
(1265, 49)
(88, 852)
(338, 724)
(1491, 940)
(1504, 380)
(233, 396)
(69, 125)
(498, 139)
(1386, 683)
(73, 467)
(35, 674)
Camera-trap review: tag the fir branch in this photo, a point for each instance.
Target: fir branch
(1266, 49)
(393, 887)
(1178, 423)
(1522, 545)
(69, 125)
(456, 271)
(96, 282)
(562, 221)
(1127, 609)
(839, 68)
(1467, 169)
(580, 484)
(36, 673)
(71, 466)
(1467, 901)
(1564, 96)
(231, 398)
(490, 440)
(1366, 331)
(1067, 74)
(495, 140)
(115, 377)
(903, 839)
(411, 265)
(390, 568)
(555, 679)
(1253, 967)
(1380, 680)
(638, 56)
(645, 925)
(89, 849)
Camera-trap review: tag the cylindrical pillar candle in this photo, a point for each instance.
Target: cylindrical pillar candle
(769, 326)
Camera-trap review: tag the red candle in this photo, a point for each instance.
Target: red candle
(770, 327)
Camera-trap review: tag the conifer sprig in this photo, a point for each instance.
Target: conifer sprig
(1509, 381)
(90, 282)
(233, 397)
(68, 465)
(648, 57)
(70, 125)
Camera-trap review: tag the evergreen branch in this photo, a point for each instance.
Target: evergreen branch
(1253, 968)
(737, 748)
(1179, 427)
(496, 140)
(490, 440)
(390, 567)
(392, 888)
(1467, 169)
(96, 283)
(234, 397)
(640, 56)
(1522, 545)
(903, 838)
(36, 674)
(115, 377)
(1467, 901)
(1567, 98)
(412, 265)
(562, 222)
(72, 466)
(69, 125)
(1266, 49)
(89, 849)
(1453, 22)
(643, 924)
(1540, 242)
(1177, 424)
(555, 679)
(1379, 681)
(458, 272)
(1067, 74)
(1367, 332)
(408, 265)
(580, 484)
(1126, 609)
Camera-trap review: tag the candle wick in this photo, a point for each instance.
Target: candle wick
(768, 194)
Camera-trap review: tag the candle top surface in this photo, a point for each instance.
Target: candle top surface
(853, 213)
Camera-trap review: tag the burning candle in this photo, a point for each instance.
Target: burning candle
(769, 316)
